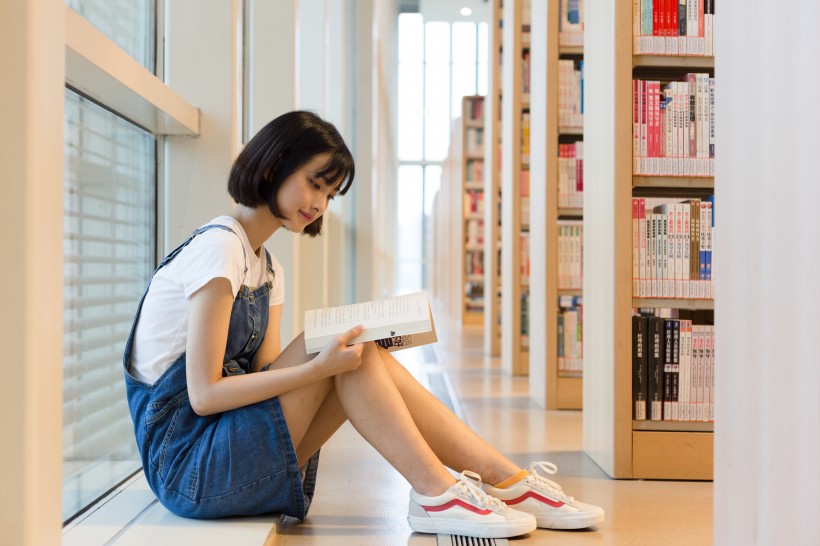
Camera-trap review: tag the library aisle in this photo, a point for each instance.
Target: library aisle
(361, 500)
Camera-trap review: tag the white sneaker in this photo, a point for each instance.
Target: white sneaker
(465, 509)
(543, 498)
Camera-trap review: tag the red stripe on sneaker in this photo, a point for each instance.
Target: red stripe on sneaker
(456, 502)
(536, 496)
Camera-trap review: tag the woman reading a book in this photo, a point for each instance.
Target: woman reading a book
(229, 423)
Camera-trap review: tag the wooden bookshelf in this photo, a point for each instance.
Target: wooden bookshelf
(550, 387)
(624, 448)
(472, 185)
(514, 103)
(492, 187)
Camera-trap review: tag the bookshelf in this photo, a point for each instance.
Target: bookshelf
(473, 195)
(514, 187)
(492, 187)
(622, 447)
(550, 386)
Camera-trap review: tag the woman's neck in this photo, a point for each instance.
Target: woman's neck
(258, 222)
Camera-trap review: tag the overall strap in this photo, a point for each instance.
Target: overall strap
(163, 263)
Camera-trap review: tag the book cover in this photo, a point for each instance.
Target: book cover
(655, 368)
(640, 376)
(393, 323)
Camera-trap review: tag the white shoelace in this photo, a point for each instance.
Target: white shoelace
(469, 485)
(539, 481)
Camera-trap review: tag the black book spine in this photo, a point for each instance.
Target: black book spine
(682, 18)
(640, 376)
(655, 368)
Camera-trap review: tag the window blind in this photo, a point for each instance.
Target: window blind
(109, 249)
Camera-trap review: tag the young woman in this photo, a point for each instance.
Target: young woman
(228, 423)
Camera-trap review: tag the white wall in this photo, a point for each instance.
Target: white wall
(31, 279)
(767, 435)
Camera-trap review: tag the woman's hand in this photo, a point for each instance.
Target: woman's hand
(339, 357)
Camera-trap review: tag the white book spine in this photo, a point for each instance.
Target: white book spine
(686, 236)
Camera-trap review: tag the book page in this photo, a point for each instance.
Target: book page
(399, 309)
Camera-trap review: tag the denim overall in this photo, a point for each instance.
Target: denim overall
(239, 462)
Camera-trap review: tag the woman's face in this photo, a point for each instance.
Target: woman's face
(304, 196)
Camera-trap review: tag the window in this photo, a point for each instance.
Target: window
(109, 246)
(439, 62)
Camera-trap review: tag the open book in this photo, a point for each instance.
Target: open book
(393, 323)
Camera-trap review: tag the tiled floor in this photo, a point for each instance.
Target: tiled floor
(361, 500)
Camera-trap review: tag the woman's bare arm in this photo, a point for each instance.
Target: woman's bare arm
(209, 392)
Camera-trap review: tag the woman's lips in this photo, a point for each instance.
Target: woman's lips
(306, 216)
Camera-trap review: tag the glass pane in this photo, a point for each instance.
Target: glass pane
(437, 42)
(411, 36)
(483, 56)
(436, 111)
(110, 222)
(411, 110)
(463, 85)
(128, 23)
(410, 215)
(464, 43)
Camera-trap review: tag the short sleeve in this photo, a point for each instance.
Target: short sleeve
(211, 254)
(277, 293)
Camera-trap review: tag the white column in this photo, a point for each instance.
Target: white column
(31, 280)
(272, 92)
(767, 266)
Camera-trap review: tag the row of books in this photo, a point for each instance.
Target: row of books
(570, 255)
(525, 72)
(475, 171)
(524, 187)
(570, 93)
(525, 137)
(474, 109)
(673, 364)
(473, 202)
(672, 248)
(525, 321)
(571, 23)
(570, 329)
(473, 234)
(673, 127)
(474, 296)
(571, 175)
(673, 27)
(474, 262)
(474, 142)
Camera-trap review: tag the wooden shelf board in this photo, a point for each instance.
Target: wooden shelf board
(674, 426)
(672, 455)
(707, 182)
(570, 50)
(672, 303)
(570, 213)
(573, 131)
(570, 292)
(675, 61)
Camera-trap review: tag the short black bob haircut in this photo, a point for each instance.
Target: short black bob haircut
(278, 150)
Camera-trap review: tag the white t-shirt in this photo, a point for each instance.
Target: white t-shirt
(162, 330)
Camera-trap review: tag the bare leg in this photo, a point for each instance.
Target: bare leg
(370, 399)
(451, 439)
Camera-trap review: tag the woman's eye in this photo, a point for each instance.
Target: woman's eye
(315, 185)
(330, 197)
